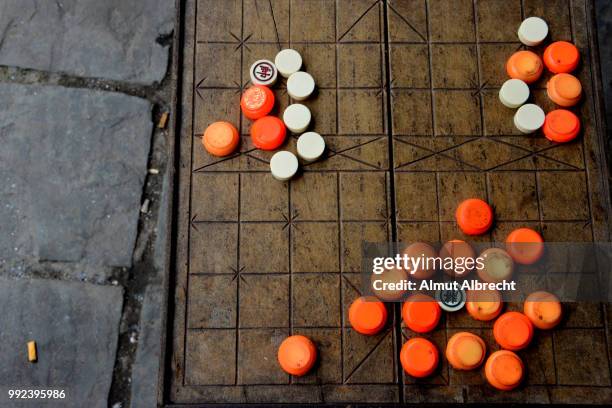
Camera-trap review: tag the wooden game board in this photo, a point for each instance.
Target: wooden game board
(407, 103)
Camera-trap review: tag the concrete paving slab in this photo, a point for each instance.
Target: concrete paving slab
(75, 326)
(73, 164)
(112, 39)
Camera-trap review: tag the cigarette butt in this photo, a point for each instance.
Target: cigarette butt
(145, 206)
(153, 171)
(163, 120)
(32, 357)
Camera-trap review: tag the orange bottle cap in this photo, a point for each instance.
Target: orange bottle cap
(419, 357)
(504, 370)
(513, 331)
(561, 56)
(525, 65)
(543, 309)
(525, 246)
(268, 133)
(474, 216)
(367, 315)
(465, 351)
(297, 354)
(257, 101)
(561, 126)
(456, 248)
(220, 138)
(484, 305)
(421, 313)
(421, 249)
(564, 90)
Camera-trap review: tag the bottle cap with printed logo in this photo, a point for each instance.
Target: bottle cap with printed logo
(450, 300)
(263, 72)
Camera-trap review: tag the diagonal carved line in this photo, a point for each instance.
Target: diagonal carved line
(558, 161)
(441, 153)
(352, 286)
(536, 153)
(223, 160)
(357, 21)
(539, 152)
(275, 27)
(407, 22)
(356, 146)
(354, 159)
(255, 157)
(365, 358)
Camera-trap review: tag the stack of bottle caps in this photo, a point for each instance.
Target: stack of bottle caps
(269, 132)
(526, 67)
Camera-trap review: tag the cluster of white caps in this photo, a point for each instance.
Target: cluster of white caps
(514, 93)
(297, 117)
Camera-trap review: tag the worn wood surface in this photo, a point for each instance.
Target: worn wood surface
(258, 259)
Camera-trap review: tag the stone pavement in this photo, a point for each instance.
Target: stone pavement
(83, 84)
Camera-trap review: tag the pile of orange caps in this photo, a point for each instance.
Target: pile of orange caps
(268, 132)
(421, 313)
(526, 67)
(419, 357)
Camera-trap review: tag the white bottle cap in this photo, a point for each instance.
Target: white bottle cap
(451, 300)
(263, 72)
(283, 165)
(514, 93)
(310, 146)
(532, 31)
(297, 117)
(288, 61)
(529, 118)
(300, 85)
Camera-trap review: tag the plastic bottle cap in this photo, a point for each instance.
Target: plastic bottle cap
(367, 315)
(268, 133)
(300, 85)
(419, 357)
(513, 331)
(297, 117)
(525, 246)
(543, 309)
(525, 65)
(297, 354)
(421, 249)
(514, 93)
(455, 249)
(220, 138)
(421, 313)
(564, 90)
(532, 31)
(484, 305)
(288, 61)
(561, 126)
(257, 101)
(465, 351)
(529, 118)
(263, 72)
(392, 275)
(474, 216)
(310, 146)
(561, 56)
(497, 265)
(450, 300)
(283, 165)
(504, 370)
